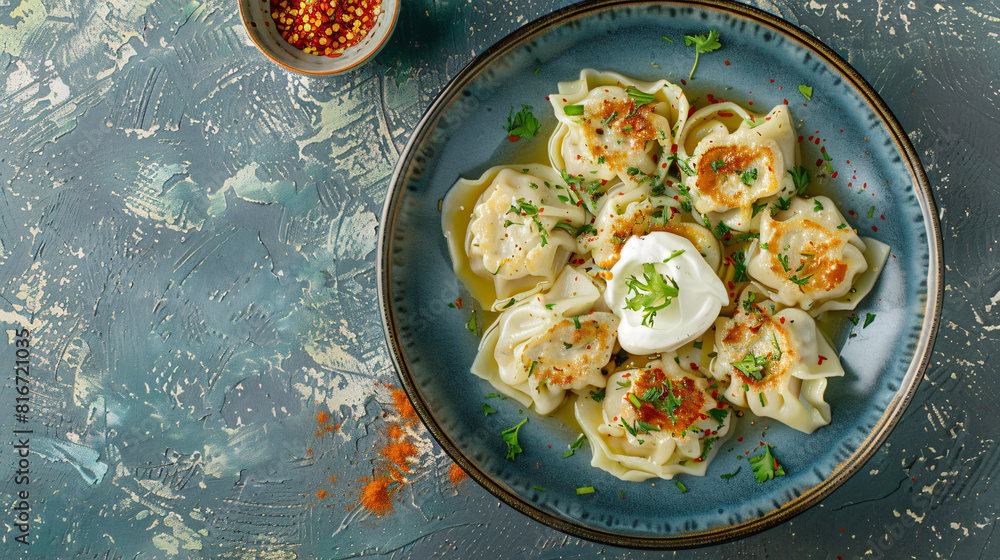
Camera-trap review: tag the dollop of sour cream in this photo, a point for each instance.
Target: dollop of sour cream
(700, 293)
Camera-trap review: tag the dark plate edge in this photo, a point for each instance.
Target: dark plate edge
(843, 471)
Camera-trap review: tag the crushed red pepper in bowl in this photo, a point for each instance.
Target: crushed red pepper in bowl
(325, 28)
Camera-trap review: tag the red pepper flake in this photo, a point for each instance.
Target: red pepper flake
(325, 28)
(750, 102)
(785, 101)
(694, 366)
(841, 529)
(781, 320)
(725, 114)
(833, 175)
(822, 359)
(740, 439)
(727, 63)
(851, 212)
(874, 228)
(819, 162)
(800, 139)
(882, 216)
(772, 81)
(673, 148)
(458, 303)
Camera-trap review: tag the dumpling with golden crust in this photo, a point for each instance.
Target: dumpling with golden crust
(510, 238)
(733, 170)
(776, 361)
(549, 344)
(655, 421)
(807, 254)
(625, 213)
(611, 126)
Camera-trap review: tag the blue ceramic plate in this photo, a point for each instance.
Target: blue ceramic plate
(763, 59)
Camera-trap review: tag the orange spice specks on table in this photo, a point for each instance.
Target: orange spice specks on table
(322, 27)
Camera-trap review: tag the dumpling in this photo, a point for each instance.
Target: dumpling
(664, 292)
(654, 421)
(626, 213)
(613, 126)
(512, 239)
(807, 254)
(552, 343)
(777, 362)
(731, 169)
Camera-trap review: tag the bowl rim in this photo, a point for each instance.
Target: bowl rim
(846, 468)
(246, 26)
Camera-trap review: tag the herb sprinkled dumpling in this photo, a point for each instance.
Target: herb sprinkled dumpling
(611, 125)
(549, 344)
(655, 421)
(735, 170)
(513, 239)
(807, 254)
(777, 362)
(625, 213)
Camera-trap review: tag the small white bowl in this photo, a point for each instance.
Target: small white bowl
(256, 15)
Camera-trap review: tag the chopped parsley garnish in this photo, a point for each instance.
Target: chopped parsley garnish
(806, 91)
(531, 368)
(871, 212)
(799, 281)
(499, 395)
(748, 177)
(748, 306)
(522, 207)
(783, 259)
(717, 165)
(763, 403)
(585, 228)
(766, 466)
(702, 44)
(523, 124)
(624, 384)
(751, 365)
(653, 295)
(549, 306)
(719, 414)
(774, 342)
(640, 97)
(783, 203)
(739, 266)
(567, 345)
(817, 205)
(707, 444)
(853, 319)
(668, 39)
(573, 110)
(801, 178)
(575, 445)
(576, 322)
(473, 328)
(720, 230)
(732, 474)
(598, 395)
(510, 438)
(868, 320)
(681, 164)
(537, 487)
(487, 409)
(757, 208)
(842, 226)
(681, 487)
(509, 303)
(584, 490)
(627, 128)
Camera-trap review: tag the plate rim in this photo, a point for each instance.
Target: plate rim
(848, 467)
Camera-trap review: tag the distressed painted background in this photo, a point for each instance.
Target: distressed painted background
(189, 233)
